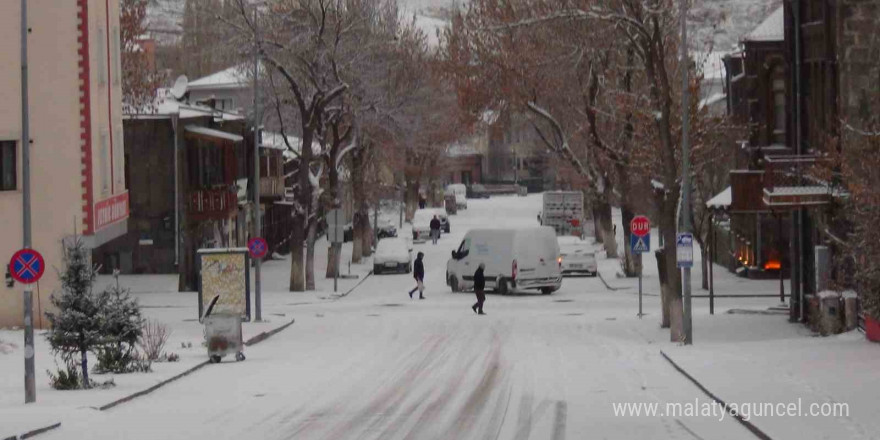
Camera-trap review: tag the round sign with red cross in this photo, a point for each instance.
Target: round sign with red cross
(258, 247)
(640, 226)
(27, 266)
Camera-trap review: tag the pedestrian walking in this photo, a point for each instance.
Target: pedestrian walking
(479, 289)
(539, 219)
(435, 229)
(419, 275)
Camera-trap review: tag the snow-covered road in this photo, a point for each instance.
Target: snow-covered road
(378, 365)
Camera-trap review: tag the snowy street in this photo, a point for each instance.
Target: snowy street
(376, 364)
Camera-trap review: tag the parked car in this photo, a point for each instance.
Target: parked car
(421, 225)
(515, 259)
(386, 229)
(392, 254)
(459, 191)
(477, 191)
(444, 219)
(578, 258)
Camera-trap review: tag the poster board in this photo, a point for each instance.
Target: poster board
(225, 272)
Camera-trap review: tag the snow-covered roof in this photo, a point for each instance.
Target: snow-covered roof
(205, 131)
(771, 29)
(721, 200)
(275, 141)
(807, 190)
(232, 78)
(165, 105)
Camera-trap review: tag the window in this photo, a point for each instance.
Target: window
(779, 98)
(117, 63)
(102, 58)
(8, 177)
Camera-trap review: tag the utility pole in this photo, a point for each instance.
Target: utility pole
(30, 389)
(685, 174)
(258, 221)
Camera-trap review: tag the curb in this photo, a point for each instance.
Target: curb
(343, 295)
(747, 424)
(613, 289)
(34, 433)
(250, 342)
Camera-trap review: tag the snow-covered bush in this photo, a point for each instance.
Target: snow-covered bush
(67, 378)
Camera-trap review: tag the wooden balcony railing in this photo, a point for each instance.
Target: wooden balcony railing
(271, 187)
(212, 203)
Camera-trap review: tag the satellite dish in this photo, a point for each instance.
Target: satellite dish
(179, 88)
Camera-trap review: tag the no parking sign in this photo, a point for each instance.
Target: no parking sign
(27, 266)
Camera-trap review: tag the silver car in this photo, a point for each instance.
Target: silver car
(577, 260)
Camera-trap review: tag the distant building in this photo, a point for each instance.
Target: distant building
(757, 240)
(229, 90)
(517, 154)
(78, 178)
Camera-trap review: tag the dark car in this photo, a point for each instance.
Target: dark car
(477, 191)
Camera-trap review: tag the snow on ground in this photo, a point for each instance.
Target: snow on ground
(160, 301)
(377, 364)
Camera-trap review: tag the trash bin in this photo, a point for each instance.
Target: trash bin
(222, 334)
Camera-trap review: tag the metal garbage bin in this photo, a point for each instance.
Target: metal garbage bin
(222, 334)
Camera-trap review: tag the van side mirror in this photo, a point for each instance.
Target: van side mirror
(454, 255)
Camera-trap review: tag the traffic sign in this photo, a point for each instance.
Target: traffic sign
(258, 247)
(27, 266)
(684, 249)
(640, 244)
(640, 226)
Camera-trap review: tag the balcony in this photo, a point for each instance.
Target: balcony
(783, 189)
(212, 204)
(271, 187)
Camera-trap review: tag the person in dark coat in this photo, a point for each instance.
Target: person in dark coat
(435, 229)
(419, 275)
(479, 289)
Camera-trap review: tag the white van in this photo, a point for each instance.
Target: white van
(459, 190)
(516, 259)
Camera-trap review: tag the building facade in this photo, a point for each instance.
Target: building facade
(76, 148)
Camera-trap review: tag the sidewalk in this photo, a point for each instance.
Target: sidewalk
(159, 301)
(758, 358)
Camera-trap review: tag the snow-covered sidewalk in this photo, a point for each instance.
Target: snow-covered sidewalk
(161, 302)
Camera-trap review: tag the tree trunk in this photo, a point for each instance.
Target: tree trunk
(297, 266)
(357, 251)
(367, 237)
(310, 255)
(629, 263)
(607, 226)
(673, 275)
(85, 369)
(597, 223)
(333, 259)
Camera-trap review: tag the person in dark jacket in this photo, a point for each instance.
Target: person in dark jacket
(479, 289)
(419, 275)
(435, 229)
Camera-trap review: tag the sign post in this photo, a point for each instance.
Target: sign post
(640, 242)
(336, 235)
(27, 267)
(30, 388)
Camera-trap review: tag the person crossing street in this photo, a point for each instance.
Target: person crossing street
(479, 289)
(419, 275)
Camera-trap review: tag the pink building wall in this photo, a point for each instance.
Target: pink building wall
(77, 155)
